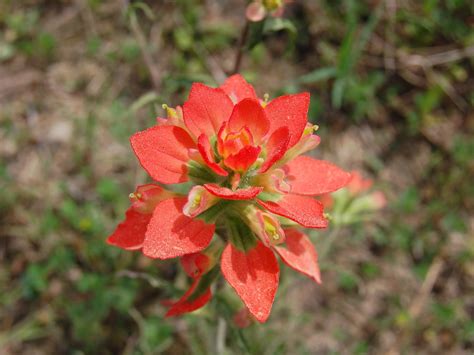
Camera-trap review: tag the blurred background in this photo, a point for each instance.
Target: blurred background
(392, 90)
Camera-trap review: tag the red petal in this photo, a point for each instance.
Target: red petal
(254, 276)
(163, 152)
(204, 147)
(171, 234)
(277, 146)
(308, 176)
(130, 233)
(183, 305)
(195, 264)
(206, 110)
(249, 113)
(289, 111)
(300, 254)
(238, 88)
(303, 210)
(243, 159)
(228, 194)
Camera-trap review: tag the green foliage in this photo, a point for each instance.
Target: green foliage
(63, 289)
(156, 335)
(347, 281)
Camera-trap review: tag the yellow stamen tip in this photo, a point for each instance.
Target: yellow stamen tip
(196, 201)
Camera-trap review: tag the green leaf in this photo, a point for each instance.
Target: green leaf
(347, 281)
(35, 280)
(156, 334)
(108, 190)
(277, 24)
(318, 75)
(143, 7)
(337, 94)
(255, 34)
(144, 100)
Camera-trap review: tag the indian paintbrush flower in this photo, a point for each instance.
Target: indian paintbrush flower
(241, 159)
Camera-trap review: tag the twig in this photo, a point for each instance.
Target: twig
(388, 50)
(432, 275)
(140, 275)
(240, 48)
(220, 335)
(416, 307)
(88, 17)
(437, 58)
(449, 89)
(15, 83)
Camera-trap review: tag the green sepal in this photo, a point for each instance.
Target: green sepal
(200, 173)
(269, 196)
(240, 234)
(181, 189)
(212, 213)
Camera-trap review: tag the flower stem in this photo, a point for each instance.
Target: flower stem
(326, 244)
(240, 48)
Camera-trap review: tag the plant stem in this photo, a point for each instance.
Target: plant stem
(327, 241)
(240, 48)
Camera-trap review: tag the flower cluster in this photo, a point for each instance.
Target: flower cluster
(257, 10)
(248, 189)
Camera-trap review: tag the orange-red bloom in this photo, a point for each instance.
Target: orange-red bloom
(243, 158)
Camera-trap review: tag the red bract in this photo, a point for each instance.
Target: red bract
(242, 156)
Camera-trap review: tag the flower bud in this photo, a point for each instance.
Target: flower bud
(255, 11)
(265, 226)
(199, 200)
(273, 4)
(273, 181)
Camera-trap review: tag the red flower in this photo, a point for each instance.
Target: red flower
(243, 156)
